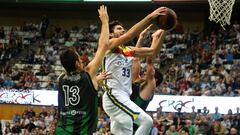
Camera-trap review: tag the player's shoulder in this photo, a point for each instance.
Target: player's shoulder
(60, 77)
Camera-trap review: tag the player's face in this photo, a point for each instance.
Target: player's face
(118, 31)
(144, 76)
(79, 63)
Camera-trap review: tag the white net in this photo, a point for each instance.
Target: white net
(220, 11)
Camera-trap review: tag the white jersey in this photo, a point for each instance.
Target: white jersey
(119, 63)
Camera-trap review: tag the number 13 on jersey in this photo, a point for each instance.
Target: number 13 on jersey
(71, 95)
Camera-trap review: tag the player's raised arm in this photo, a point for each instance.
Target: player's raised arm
(149, 88)
(103, 43)
(142, 35)
(157, 41)
(136, 29)
(136, 60)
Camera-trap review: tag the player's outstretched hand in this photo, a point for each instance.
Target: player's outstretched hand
(143, 33)
(157, 34)
(102, 76)
(157, 12)
(103, 14)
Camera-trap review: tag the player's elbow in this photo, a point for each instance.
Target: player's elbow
(151, 52)
(104, 45)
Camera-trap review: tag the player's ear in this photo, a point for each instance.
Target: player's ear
(77, 63)
(111, 35)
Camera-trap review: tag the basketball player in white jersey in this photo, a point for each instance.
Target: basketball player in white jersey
(118, 61)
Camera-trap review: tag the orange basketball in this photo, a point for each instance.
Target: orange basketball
(167, 21)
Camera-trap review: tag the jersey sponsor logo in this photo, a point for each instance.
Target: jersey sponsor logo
(72, 112)
(119, 63)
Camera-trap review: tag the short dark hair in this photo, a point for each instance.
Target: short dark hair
(158, 76)
(68, 59)
(113, 24)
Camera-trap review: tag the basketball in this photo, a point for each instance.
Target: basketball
(167, 21)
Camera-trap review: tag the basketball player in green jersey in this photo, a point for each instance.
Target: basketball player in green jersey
(77, 96)
(144, 87)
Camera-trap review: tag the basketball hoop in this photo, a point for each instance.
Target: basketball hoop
(221, 11)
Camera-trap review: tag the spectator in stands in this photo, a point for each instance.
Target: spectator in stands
(162, 130)
(2, 33)
(51, 58)
(39, 57)
(191, 128)
(42, 71)
(220, 86)
(178, 121)
(216, 115)
(202, 125)
(154, 130)
(30, 126)
(15, 75)
(20, 83)
(217, 61)
(30, 112)
(236, 83)
(193, 114)
(29, 58)
(57, 30)
(66, 35)
(8, 131)
(16, 129)
(50, 85)
(69, 42)
(233, 131)
(237, 111)
(236, 51)
(13, 34)
(25, 120)
(160, 112)
(43, 112)
(16, 118)
(229, 57)
(229, 92)
(44, 26)
(172, 130)
(8, 82)
(226, 122)
(184, 131)
(219, 129)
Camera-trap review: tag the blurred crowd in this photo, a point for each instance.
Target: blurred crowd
(209, 67)
(165, 123)
(31, 123)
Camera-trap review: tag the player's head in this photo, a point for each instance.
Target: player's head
(116, 29)
(71, 60)
(158, 77)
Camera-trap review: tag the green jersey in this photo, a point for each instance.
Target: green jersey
(77, 105)
(136, 98)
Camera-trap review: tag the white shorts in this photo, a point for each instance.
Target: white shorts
(122, 111)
